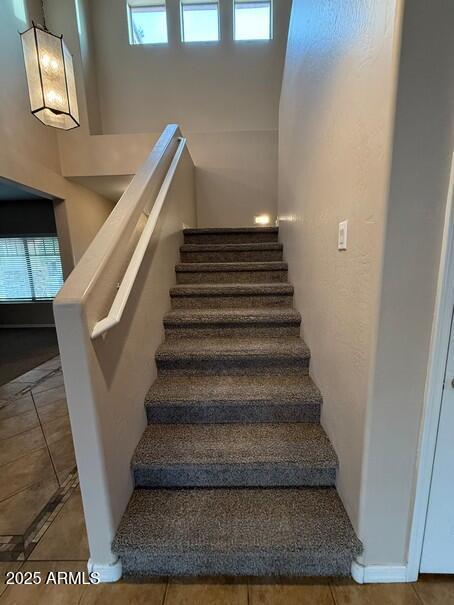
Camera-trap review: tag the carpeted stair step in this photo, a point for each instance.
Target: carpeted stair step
(200, 296)
(187, 323)
(228, 253)
(232, 356)
(223, 399)
(234, 455)
(230, 235)
(231, 531)
(252, 272)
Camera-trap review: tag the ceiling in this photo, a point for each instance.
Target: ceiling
(110, 187)
(10, 191)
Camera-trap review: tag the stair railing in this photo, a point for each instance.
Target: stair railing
(119, 289)
(125, 287)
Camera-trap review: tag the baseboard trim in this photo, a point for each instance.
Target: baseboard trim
(106, 572)
(378, 574)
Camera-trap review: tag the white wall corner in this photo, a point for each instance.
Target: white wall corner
(379, 574)
(108, 572)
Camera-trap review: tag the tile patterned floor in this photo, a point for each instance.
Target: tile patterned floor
(41, 514)
(37, 463)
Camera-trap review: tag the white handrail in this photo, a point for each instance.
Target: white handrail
(124, 290)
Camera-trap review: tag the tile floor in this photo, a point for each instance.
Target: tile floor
(37, 463)
(41, 508)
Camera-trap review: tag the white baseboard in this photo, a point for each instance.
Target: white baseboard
(378, 574)
(106, 572)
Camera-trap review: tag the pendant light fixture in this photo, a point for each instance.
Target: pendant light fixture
(50, 77)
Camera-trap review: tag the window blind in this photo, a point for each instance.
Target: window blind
(30, 268)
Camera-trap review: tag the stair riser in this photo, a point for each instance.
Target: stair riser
(231, 277)
(237, 367)
(237, 302)
(230, 238)
(232, 413)
(281, 563)
(233, 475)
(224, 256)
(233, 330)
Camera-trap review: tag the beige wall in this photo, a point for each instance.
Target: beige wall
(224, 96)
(29, 152)
(221, 87)
(366, 134)
(335, 129)
(422, 151)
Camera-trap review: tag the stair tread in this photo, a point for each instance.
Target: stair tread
(300, 444)
(232, 266)
(225, 388)
(237, 247)
(231, 289)
(300, 531)
(232, 347)
(225, 315)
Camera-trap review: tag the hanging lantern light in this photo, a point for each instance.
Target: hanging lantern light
(50, 78)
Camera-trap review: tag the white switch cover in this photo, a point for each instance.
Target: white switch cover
(342, 237)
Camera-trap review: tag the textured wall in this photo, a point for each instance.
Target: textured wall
(334, 147)
(422, 151)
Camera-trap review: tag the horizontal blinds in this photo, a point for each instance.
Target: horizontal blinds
(30, 268)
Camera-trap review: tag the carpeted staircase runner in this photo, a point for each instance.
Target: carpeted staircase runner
(234, 475)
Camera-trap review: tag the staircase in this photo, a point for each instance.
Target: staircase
(234, 474)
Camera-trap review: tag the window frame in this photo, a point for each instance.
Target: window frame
(202, 2)
(254, 40)
(130, 9)
(30, 277)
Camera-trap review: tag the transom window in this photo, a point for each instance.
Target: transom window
(252, 20)
(199, 21)
(30, 268)
(147, 22)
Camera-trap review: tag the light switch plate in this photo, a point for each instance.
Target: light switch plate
(342, 237)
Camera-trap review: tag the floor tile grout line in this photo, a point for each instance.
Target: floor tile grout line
(33, 451)
(165, 592)
(45, 440)
(420, 599)
(27, 558)
(61, 504)
(22, 432)
(332, 591)
(22, 489)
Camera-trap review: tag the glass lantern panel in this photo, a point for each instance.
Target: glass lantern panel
(52, 71)
(61, 120)
(71, 81)
(32, 69)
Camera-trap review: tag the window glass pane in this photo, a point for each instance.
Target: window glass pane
(14, 278)
(252, 20)
(200, 22)
(149, 25)
(45, 266)
(30, 268)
